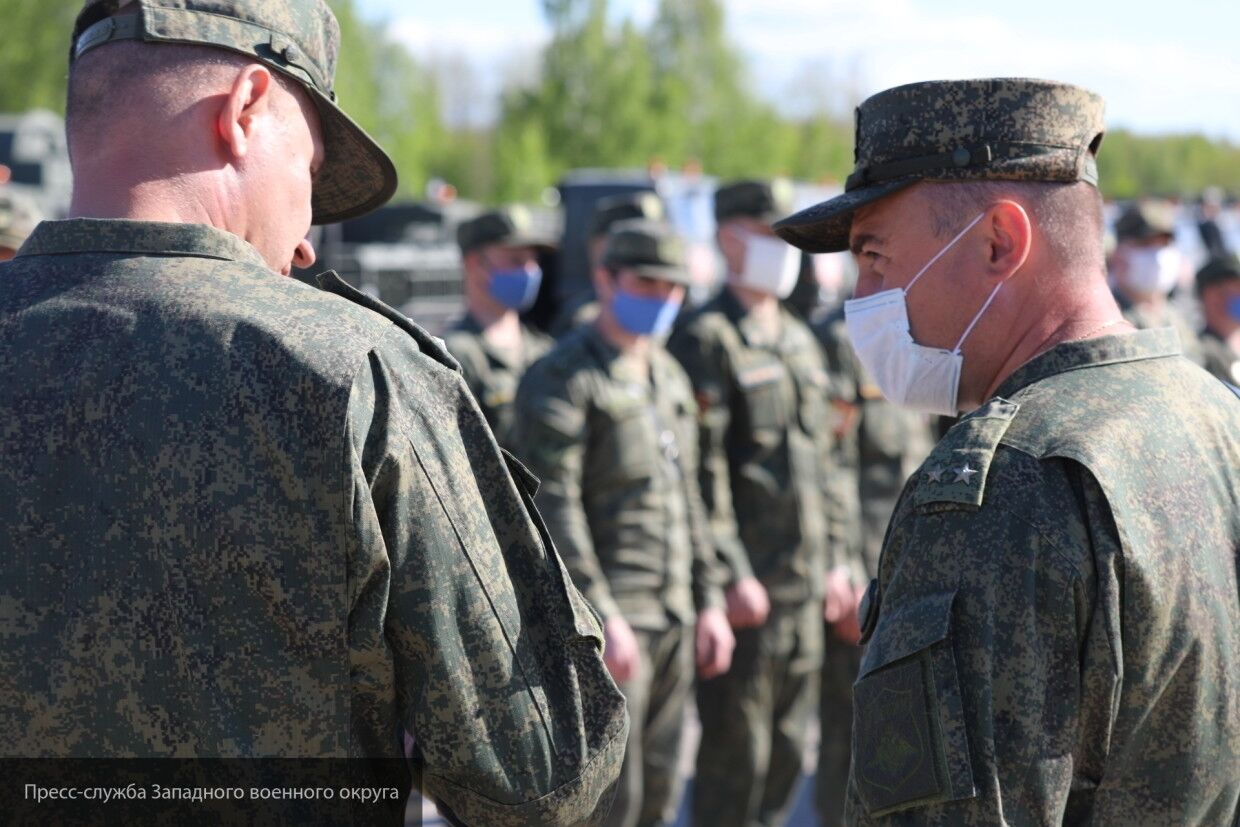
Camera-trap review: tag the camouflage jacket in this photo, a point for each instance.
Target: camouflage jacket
(240, 516)
(1144, 318)
(766, 446)
(1220, 359)
(493, 373)
(617, 455)
(1054, 635)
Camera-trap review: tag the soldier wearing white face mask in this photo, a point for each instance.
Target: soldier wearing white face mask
(1146, 267)
(762, 391)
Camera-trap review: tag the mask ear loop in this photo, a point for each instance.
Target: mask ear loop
(976, 319)
(943, 252)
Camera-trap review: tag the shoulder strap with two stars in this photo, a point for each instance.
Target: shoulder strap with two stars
(956, 470)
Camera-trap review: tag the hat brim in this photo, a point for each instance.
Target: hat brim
(675, 275)
(357, 175)
(824, 228)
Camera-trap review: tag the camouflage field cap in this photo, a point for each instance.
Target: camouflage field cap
(957, 130)
(649, 248)
(627, 207)
(298, 38)
(512, 226)
(18, 218)
(1145, 220)
(764, 200)
(1217, 271)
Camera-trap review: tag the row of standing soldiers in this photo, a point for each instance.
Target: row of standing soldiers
(716, 480)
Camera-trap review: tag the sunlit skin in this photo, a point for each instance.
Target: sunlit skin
(1214, 306)
(500, 325)
(242, 160)
(714, 641)
(1041, 304)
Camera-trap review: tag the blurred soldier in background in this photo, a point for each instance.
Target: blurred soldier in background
(1208, 212)
(879, 445)
(1218, 289)
(18, 217)
(1054, 633)
(244, 517)
(1146, 267)
(500, 280)
(608, 421)
(609, 211)
(762, 394)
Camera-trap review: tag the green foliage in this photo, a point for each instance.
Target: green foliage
(34, 58)
(608, 94)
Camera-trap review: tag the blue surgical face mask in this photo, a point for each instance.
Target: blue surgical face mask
(517, 287)
(1233, 308)
(643, 316)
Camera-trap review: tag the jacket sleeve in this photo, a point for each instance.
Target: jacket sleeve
(552, 432)
(705, 364)
(489, 656)
(991, 657)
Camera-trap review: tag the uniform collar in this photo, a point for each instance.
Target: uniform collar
(612, 359)
(752, 332)
(1159, 343)
(109, 235)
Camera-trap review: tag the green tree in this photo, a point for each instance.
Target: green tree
(34, 60)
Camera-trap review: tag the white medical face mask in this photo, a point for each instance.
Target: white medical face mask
(1154, 270)
(771, 266)
(920, 378)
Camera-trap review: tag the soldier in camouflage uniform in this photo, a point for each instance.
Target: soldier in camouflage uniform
(582, 308)
(1054, 632)
(1218, 289)
(243, 517)
(18, 217)
(608, 422)
(501, 278)
(879, 446)
(762, 394)
(1146, 267)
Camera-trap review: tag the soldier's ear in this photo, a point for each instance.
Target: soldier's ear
(247, 100)
(1009, 233)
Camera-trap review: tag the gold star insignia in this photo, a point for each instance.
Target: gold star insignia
(965, 474)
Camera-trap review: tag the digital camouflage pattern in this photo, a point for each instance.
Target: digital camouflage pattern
(764, 423)
(616, 452)
(18, 218)
(875, 456)
(615, 444)
(1220, 358)
(493, 373)
(1147, 317)
(298, 38)
(1054, 634)
(243, 517)
(955, 130)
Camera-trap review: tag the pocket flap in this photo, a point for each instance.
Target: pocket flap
(908, 628)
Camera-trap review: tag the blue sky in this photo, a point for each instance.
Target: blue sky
(1161, 66)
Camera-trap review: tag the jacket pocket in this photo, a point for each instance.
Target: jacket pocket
(910, 744)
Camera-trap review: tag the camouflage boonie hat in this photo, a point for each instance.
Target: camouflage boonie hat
(1218, 270)
(1145, 220)
(627, 207)
(18, 218)
(508, 226)
(649, 248)
(763, 200)
(1011, 129)
(298, 38)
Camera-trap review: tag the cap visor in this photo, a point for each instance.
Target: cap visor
(675, 275)
(357, 176)
(530, 240)
(823, 228)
